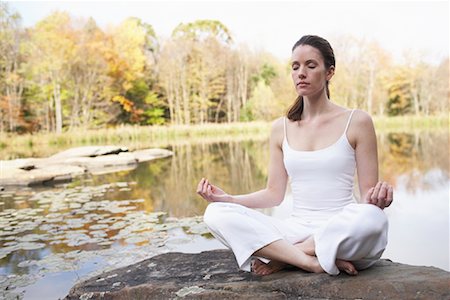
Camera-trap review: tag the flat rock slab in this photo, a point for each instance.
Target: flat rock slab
(89, 151)
(74, 162)
(214, 275)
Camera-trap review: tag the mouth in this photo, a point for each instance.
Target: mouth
(302, 84)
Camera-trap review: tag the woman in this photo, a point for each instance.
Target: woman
(318, 146)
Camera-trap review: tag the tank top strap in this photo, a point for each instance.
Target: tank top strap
(284, 127)
(349, 119)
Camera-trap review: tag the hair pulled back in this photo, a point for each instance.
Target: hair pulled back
(295, 111)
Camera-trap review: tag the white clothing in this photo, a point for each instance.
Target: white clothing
(323, 207)
(321, 180)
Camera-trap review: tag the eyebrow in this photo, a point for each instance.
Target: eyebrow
(307, 62)
(311, 61)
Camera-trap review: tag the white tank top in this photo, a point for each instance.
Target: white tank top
(321, 180)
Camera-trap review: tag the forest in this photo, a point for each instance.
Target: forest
(66, 73)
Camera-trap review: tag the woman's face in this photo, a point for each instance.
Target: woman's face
(308, 71)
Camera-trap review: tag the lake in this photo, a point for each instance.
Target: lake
(51, 237)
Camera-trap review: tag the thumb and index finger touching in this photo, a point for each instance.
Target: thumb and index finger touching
(205, 188)
(380, 195)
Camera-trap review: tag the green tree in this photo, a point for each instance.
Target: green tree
(261, 105)
(399, 93)
(266, 74)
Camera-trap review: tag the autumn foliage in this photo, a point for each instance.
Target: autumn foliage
(66, 73)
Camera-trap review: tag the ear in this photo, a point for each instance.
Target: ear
(330, 73)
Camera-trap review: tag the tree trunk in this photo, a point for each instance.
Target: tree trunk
(10, 109)
(170, 95)
(177, 98)
(75, 108)
(415, 97)
(219, 107)
(58, 107)
(229, 94)
(185, 97)
(48, 123)
(1, 122)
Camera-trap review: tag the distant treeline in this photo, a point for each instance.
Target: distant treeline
(67, 73)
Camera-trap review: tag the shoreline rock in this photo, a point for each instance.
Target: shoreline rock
(66, 165)
(214, 274)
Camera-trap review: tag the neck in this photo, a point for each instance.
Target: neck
(315, 105)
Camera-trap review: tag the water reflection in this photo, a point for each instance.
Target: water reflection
(142, 208)
(413, 154)
(169, 184)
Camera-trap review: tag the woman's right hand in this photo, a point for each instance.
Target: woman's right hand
(211, 192)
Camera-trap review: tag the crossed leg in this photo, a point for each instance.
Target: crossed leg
(302, 255)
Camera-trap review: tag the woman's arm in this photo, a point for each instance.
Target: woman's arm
(274, 192)
(372, 191)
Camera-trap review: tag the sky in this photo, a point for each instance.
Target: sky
(398, 26)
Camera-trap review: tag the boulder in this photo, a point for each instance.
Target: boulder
(214, 275)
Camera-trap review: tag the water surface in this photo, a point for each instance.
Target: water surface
(50, 237)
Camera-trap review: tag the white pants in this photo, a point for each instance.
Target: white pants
(358, 233)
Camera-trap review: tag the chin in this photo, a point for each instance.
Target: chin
(303, 94)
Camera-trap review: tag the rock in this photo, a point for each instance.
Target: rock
(214, 275)
(94, 164)
(67, 164)
(51, 173)
(88, 151)
(149, 154)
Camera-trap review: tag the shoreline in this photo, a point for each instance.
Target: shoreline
(13, 146)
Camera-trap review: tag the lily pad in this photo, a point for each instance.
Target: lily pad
(118, 225)
(98, 233)
(135, 239)
(30, 245)
(30, 238)
(98, 226)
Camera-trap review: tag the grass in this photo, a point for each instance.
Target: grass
(411, 123)
(164, 135)
(133, 136)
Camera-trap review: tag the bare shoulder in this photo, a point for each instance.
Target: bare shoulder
(277, 130)
(362, 120)
(361, 128)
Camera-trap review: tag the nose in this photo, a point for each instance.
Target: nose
(301, 72)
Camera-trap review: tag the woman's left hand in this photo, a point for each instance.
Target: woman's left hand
(380, 195)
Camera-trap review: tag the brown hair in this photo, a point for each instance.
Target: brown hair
(295, 111)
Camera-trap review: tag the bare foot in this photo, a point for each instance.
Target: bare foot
(346, 266)
(261, 268)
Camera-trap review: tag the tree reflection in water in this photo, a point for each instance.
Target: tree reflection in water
(417, 164)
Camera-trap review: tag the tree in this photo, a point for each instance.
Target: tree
(262, 105)
(132, 57)
(193, 71)
(52, 51)
(11, 71)
(360, 68)
(89, 75)
(399, 93)
(237, 83)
